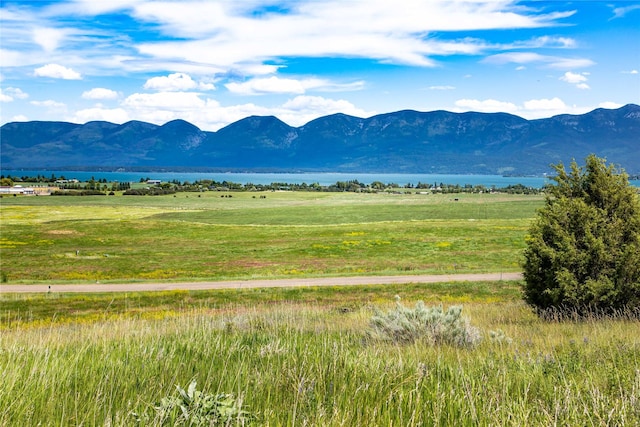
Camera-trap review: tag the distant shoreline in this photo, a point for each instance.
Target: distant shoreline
(265, 178)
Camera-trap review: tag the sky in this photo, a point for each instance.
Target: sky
(215, 62)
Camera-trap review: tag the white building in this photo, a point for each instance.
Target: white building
(17, 189)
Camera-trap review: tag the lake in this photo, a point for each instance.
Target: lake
(327, 178)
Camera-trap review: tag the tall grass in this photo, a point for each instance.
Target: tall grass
(308, 364)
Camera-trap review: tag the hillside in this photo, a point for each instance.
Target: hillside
(404, 141)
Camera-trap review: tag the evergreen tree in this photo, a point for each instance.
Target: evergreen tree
(583, 249)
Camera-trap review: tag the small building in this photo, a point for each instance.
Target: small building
(17, 189)
(154, 182)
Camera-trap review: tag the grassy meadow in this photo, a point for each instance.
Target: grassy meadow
(206, 236)
(292, 356)
(303, 357)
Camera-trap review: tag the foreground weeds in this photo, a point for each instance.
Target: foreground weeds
(309, 364)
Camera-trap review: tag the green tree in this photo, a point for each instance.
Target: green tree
(583, 249)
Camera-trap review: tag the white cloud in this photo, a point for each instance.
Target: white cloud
(114, 115)
(441, 87)
(100, 93)
(11, 93)
(532, 58)
(176, 82)
(543, 108)
(609, 105)
(49, 103)
(48, 38)
(302, 109)
(218, 37)
(630, 72)
(208, 114)
(543, 41)
(275, 84)
(576, 79)
(266, 85)
(620, 12)
(573, 78)
(57, 72)
(554, 104)
(227, 33)
(171, 100)
(93, 7)
(531, 109)
(486, 106)
(162, 107)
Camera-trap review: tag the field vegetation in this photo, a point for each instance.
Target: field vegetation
(218, 235)
(293, 356)
(307, 357)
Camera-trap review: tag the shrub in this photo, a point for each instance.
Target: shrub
(432, 325)
(583, 249)
(192, 407)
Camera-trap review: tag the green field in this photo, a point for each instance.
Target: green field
(292, 356)
(287, 234)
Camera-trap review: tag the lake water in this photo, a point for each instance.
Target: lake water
(327, 178)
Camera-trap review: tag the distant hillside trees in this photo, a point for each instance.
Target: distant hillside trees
(583, 249)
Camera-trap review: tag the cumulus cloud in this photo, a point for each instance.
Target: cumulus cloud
(542, 108)
(19, 118)
(113, 115)
(553, 104)
(100, 93)
(303, 109)
(530, 109)
(273, 84)
(209, 114)
(576, 79)
(609, 105)
(11, 93)
(173, 100)
(57, 71)
(176, 82)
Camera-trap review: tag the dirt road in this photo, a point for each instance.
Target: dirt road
(262, 283)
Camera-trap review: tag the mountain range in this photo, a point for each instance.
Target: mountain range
(401, 142)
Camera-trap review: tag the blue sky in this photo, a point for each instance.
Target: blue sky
(214, 62)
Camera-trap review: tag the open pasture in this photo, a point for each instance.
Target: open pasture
(223, 235)
(197, 236)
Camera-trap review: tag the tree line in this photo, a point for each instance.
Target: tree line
(174, 186)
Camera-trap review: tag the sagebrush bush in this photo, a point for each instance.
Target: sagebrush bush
(432, 325)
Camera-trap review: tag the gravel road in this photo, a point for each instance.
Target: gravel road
(262, 283)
